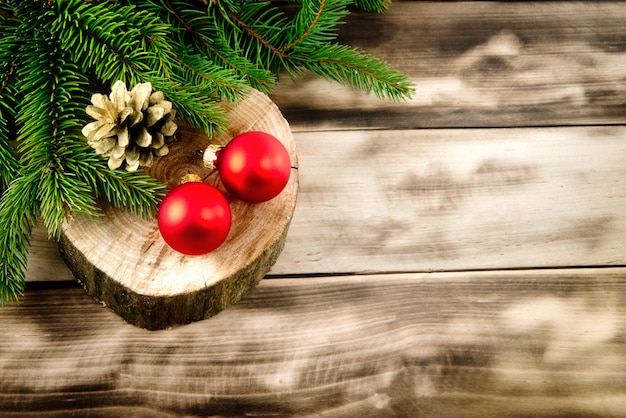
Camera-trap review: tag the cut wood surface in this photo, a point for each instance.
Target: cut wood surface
(479, 64)
(512, 344)
(123, 261)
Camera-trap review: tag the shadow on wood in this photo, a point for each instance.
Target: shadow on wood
(525, 343)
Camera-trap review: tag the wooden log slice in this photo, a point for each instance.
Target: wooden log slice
(123, 261)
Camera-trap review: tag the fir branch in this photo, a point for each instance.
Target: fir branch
(194, 108)
(131, 45)
(308, 43)
(378, 6)
(181, 65)
(139, 194)
(7, 72)
(208, 79)
(100, 39)
(61, 195)
(9, 59)
(53, 83)
(263, 24)
(18, 215)
(317, 22)
(178, 65)
(356, 70)
(204, 32)
(47, 139)
(9, 164)
(203, 83)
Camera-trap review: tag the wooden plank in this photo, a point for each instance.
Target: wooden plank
(479, 64)
(483, 344)
(44, 261)
(424, 200)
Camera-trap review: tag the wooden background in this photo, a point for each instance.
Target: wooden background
(459, 255)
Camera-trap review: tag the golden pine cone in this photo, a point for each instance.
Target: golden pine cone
(131, 128)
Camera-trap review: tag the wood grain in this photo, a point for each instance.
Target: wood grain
(424, 200)
(478, 64)
(380, 191)
(518, 343)
(123, 261)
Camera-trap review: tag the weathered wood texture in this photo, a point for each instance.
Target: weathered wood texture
(423, 200)
(459, 193)
(499, 344)
(478, 64)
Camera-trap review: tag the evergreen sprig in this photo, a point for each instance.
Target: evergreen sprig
(18, 206)
(203, 33)
(9, 57)
(54, 54)
(356, 70)
(266, 36)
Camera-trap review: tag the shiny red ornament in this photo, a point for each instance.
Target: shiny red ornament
(194, 218)
(254, 166)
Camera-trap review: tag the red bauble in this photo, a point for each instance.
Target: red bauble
(254, 166)
(194, 218)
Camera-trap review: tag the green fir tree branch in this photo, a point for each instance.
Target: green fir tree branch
(378, 6)
(204, 31)
(257, 29)
(317, 23)
(18, 215)
(10, 165)
(357, 70)
(9, 59)
(47, 139)
(98, 37)
(139, 194)
(307, 42)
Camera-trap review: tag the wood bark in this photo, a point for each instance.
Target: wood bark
(123, 261)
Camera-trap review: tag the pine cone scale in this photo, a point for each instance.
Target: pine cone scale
(131, 127)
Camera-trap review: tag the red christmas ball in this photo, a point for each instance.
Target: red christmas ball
(254, 166)
(194, 218)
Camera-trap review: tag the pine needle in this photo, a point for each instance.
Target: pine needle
(357, 70)
(18, 214)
